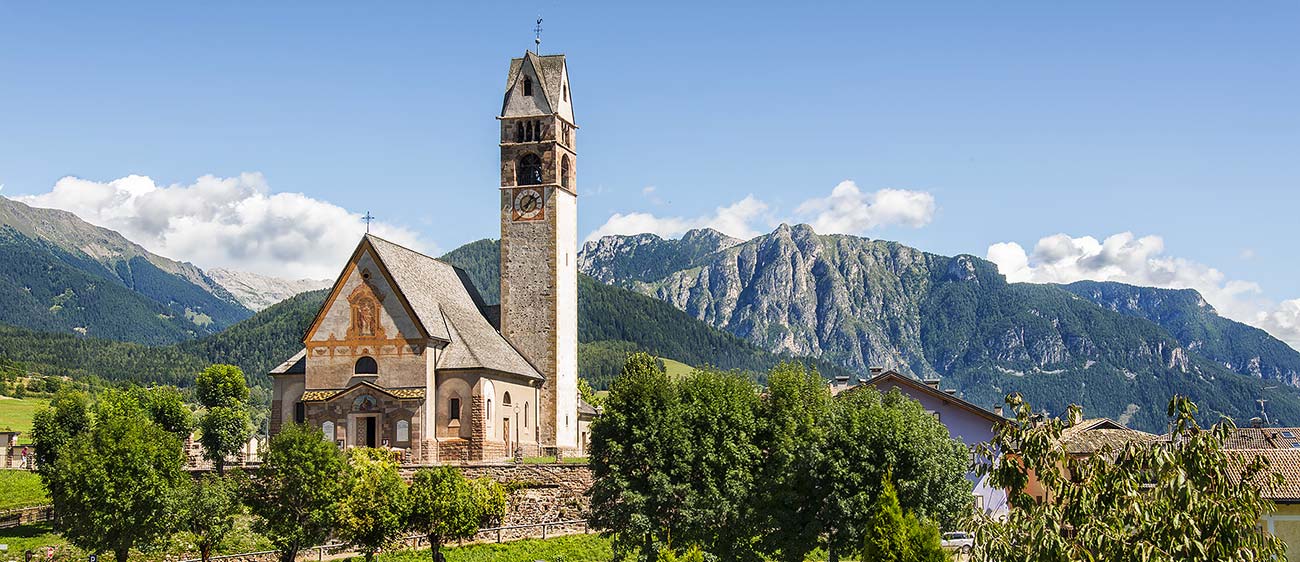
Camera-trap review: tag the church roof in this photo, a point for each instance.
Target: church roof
(550, 72)
(295, 365)
(449, 308)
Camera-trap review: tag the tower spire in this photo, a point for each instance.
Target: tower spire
(537, 37)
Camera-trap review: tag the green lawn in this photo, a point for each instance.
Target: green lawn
(31, 536)
(16, 415)
(19, 488)
(573, 548)
(676, 369)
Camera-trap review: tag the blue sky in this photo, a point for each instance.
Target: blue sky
(1177, 120)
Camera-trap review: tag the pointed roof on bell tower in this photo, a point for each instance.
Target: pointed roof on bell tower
(548, 78)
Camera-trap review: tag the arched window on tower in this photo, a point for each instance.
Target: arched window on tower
(366, 366)
(529, 171)
(528, 86)
(519, 132)
(564, 170)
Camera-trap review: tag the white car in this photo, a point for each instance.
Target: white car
(959, 541)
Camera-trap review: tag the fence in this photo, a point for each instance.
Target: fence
(494, 534)
(16, 517)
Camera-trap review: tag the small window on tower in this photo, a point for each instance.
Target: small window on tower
(564, 170)
(528, 86)
(566, 92)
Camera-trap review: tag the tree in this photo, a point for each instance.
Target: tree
(167, 408)
(295, 492)
(116, 485)
(869, 433)
(792, 435)
(373, 509)
(719, 416)
(221, 385)
(892, 536)
(67, 416)
(226, 426)
(223, 430)
(1185, 498)
(638, 461)
(446, 507)
(208, 507)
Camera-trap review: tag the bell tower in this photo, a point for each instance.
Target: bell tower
(539, 237)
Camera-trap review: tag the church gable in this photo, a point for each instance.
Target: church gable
(526, 94)
(365, 306)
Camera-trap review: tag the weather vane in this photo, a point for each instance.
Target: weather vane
(368, 218)
(537, 37)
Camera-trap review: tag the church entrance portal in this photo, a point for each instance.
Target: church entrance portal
(367, 433)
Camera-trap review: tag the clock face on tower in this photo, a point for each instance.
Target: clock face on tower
(528, 204)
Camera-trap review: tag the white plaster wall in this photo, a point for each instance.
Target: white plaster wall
(520, 394)
(566, 320)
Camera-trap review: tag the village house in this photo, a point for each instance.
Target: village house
(1280, 446)
(966, 422)
(405, 354)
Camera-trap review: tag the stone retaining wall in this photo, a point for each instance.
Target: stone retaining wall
(539, 493)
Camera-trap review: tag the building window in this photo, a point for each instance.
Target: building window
(566, 92)
(525, 414)
(453, 411)
(530, 170)
(366, 366)
(564, 170)
(299, 412)
(328, 429)
(403, 431)
(489, 410)
(519, 131)
(528, 86)
(506, 399)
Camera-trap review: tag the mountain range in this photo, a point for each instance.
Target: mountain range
(80, 300)
(1118, 350)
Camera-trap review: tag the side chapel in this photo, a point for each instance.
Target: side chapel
(405, 354)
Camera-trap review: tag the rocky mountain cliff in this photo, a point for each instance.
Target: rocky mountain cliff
(258, 292)
(861, 303)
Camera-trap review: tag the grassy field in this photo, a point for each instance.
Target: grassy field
(19, 488)
(676, 369)
(16, 415)
(27, 537)
(574, 548)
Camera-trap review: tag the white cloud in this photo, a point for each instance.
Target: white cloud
(1126, 258)
(235, 223)
(737, 219)
(846, 210)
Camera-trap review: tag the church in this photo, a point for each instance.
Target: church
(405, 354)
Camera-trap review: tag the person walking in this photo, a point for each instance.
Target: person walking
(24, 464)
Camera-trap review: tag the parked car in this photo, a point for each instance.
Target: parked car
(960, 541)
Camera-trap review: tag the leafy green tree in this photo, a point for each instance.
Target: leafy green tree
(295, 492)
(1175, 500)
(373, 509)
(870, 433)
(115, 486)
(445, 506)
(792, 435)
(221, 385)
(223, 430)
(67, 416)
(719, 415)
(167, 407)
(925, 541)
(638, 453)
(226, 426)
(207, 510)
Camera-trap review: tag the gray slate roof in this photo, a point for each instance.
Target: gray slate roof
(550, 72)
(295, 365)
(449, 308)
